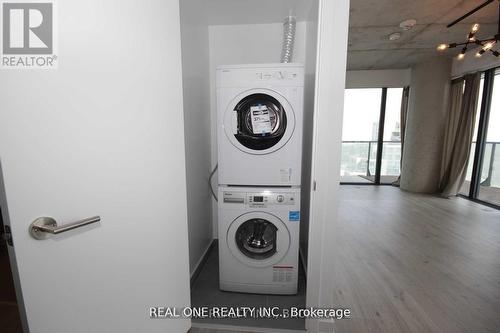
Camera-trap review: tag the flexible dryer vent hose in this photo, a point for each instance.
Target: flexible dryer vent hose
(288, 39)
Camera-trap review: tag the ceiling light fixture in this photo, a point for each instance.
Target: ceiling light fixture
(408, 24)
(394, 36)
(472, 39)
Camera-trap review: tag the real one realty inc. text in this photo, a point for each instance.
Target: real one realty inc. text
(222, 312)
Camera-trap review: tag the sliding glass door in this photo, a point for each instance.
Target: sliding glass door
(489, 187)
(359, 135)
(391, 151)
(483, 174)
(371, 136)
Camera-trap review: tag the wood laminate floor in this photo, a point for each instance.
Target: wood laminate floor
(416, 263)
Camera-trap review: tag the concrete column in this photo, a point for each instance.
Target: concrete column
(429, 91)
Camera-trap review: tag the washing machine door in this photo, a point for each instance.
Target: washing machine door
(259, 121)
(258, 239)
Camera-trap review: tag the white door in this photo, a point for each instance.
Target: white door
(101, 135)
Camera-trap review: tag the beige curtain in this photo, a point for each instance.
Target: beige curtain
(459, 133)
(403, 115)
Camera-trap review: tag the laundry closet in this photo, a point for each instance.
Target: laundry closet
(248, 84)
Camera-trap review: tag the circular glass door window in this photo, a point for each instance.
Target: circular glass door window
(259, 121)
(256, 238)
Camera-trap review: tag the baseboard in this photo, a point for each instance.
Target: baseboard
(201, 262)
(244, 328)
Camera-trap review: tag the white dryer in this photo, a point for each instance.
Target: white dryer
(259, 116)
(259, 239)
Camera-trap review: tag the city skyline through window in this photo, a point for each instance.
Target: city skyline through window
(362, 114)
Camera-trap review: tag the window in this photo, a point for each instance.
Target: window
(359, 135)
(489, 186)
(483, 174)
(391, 151)
(362, 159)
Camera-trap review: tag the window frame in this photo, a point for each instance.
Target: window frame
(481, 138)
(380, 140)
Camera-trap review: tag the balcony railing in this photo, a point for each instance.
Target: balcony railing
(490, 173)
(359, 159)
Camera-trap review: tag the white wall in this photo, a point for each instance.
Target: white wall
(195, 75)
(245, 44)
(388, 78)
(472, 64)
(325, 233)
(309, 92)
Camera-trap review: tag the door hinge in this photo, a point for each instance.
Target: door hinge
(7, 235)
(314, 185)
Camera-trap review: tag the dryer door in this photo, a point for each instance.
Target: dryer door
(259, 121)
(258, 239)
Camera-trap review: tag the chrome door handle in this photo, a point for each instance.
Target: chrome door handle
(44, 226)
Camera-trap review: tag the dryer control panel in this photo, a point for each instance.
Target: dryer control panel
(260, 199)
(278, 75)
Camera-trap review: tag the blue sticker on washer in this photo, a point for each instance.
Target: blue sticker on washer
(294, 215)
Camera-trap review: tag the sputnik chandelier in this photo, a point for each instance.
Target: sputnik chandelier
(473, 42)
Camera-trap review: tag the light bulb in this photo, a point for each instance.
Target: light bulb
(461, 56)
(488, 45)
(475, 28)
(442, 47)
(478, 54)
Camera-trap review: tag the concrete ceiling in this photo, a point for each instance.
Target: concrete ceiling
(372, 21)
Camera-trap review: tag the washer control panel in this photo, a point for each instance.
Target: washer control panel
(259, 199)
(264, 199)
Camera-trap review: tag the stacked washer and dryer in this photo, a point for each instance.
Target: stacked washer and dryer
(259, 112)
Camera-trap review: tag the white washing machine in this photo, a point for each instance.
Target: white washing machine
(259, 115)
(259, 239)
